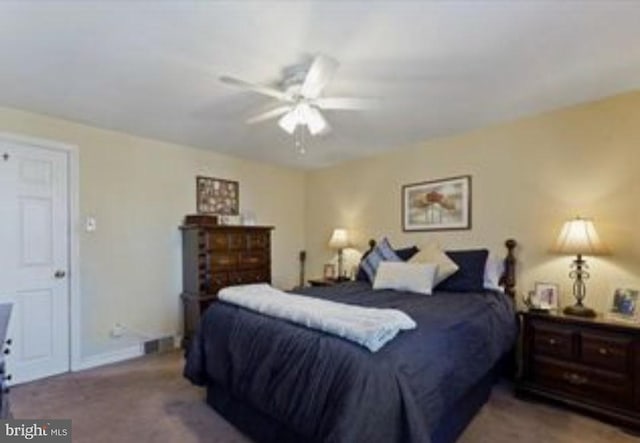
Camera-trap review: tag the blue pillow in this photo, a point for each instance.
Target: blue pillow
(470, 275)
(382, 252)
(405, 254)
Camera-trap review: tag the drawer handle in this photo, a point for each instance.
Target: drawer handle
(552, 341)
(603, 351)
(575, 379)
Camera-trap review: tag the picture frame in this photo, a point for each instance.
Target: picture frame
(545, 296)
(624, 303)
(217, 196)
(437, 205)
(329, 271)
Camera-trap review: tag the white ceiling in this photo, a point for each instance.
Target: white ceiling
(439, 68)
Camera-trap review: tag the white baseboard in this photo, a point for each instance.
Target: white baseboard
(109, 357)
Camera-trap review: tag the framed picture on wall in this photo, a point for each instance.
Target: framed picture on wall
(217, 196)
(437, 205)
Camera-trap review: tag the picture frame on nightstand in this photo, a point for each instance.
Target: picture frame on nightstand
(544, 297)
(329, 271)
(624, 305)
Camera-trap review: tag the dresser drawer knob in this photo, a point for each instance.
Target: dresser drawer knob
(552, 341)
(603, 351)
(575, 379)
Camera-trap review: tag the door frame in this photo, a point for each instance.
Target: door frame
(73, 194)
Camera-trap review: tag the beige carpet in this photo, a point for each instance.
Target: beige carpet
(147, 400)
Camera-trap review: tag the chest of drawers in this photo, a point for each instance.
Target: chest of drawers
(589, 364)
(214, 257)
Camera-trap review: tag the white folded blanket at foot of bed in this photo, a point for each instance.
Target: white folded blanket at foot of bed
(368, 327)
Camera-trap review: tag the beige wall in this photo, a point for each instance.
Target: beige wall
(528, 177)
(139, 190)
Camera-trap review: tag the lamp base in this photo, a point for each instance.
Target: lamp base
(579, 311)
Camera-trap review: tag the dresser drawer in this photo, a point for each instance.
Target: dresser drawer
(553, 341)
(248, 277)
(258, 240)
(590, 384)
(606, 350)
(253, 259)
(223, 261)
(219, 279)
(222, 241)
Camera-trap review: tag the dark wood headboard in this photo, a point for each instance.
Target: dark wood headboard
(508, 278)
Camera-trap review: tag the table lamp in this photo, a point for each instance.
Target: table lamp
(579, 237)
(339, 240)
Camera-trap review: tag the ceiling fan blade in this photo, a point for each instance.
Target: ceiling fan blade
(318, 77)
(346, 103)
(264, 90)
(269, 114)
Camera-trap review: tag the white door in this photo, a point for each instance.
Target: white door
(34, 258)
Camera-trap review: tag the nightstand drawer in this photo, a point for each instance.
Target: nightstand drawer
(605, 350)
(552, 341)
(581, 381)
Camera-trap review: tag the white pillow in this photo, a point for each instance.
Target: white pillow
(493, 270)
(412, 277)
(431, 253)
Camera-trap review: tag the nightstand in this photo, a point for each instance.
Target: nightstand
(323, 282)
(592, 365)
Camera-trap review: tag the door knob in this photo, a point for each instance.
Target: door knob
(60, 274)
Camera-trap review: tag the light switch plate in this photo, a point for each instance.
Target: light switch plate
(90, 224)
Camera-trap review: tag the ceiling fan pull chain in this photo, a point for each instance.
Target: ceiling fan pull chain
(298, 137)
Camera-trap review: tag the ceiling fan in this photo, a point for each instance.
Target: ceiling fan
(301, 98)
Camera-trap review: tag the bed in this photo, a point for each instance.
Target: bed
(281, 382)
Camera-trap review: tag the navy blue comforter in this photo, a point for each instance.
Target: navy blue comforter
(329, 389)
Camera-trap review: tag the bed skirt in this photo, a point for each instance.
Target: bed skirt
(264, 429)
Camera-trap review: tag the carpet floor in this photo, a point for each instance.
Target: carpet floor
(147, 400)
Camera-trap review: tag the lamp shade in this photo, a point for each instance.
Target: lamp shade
(339, 239)
(579, 236)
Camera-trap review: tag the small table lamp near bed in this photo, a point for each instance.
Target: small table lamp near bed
(579, 237)
(339, 240)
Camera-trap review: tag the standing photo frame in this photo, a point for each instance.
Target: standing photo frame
(545, 296)
(329, 271)
(624, 304)
(437, 205)
(217, 196)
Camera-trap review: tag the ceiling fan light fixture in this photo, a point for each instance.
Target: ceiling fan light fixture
(289, 121)
(315, 121)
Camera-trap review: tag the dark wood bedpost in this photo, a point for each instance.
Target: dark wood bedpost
(303, 258)
(372, 244)
(508, 279)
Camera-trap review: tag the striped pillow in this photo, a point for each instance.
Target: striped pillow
(382, 252)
